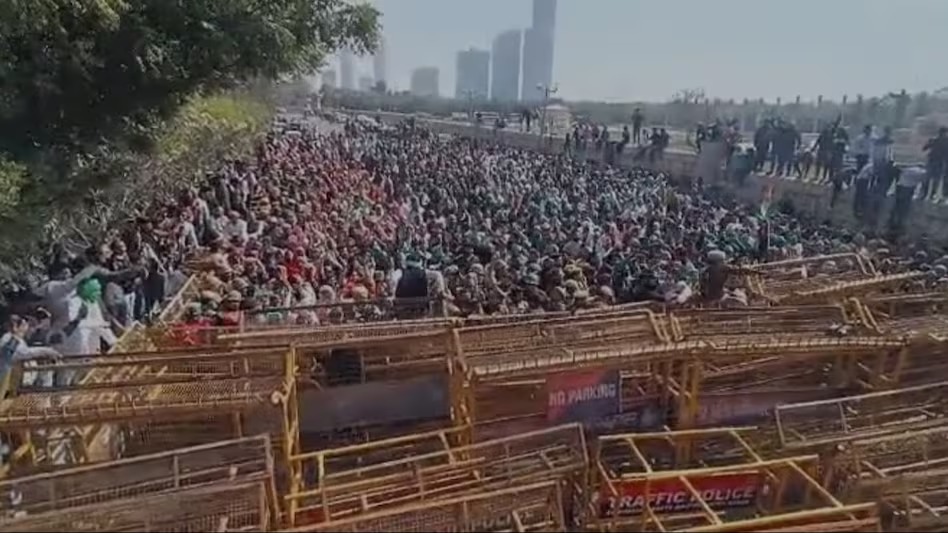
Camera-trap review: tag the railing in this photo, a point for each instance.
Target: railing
(357, 489)
(345, 312)
(813, 425)
(142, 386)
(784, 493)
(769, 322)
(176, 306)
(535, 507)
(856, 287)
(237, 460)
(135, 339)
(231, 506)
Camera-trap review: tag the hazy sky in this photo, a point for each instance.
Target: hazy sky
(622, 50)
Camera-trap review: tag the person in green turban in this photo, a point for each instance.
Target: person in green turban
(90, 291)
(89, 329)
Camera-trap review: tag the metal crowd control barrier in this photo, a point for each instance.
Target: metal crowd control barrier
(135, 339)
(503, 376)
(149, 388)
(345, 312)
(230, 507)
(646, 483)
(536, 507)
(246, 460)
(819, 424)
(673, 377)
(923, 316)
(848, 288)
(337, 484)
(905, 472)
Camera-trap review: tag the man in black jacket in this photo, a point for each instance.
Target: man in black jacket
(412, 289)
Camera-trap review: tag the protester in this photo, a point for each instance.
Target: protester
(906, 186)
(824, 153)
(763, 138)
(885, 174)
(626, 138)
(482, 228)
(882, 148)
(937, 168)
(864, 181)
(317, 229)
(14, 348)
(862, 147)
(638, 120)
(785, 142)
(838, 150)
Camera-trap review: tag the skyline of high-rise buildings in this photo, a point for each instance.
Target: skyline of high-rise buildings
(517, 63)
(473, 74)
(505, 66)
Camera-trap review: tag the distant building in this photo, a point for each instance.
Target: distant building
(544, 14)
(424, 81)
(328, 78)
(538, 44)
(365, 83)
(473, 74)
(505, 67)
(534, 43)
(379, 63)
(347, 69)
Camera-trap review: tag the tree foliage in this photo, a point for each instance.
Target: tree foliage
(205, 131)
(12, 177)
(74, 73)
(107, 103)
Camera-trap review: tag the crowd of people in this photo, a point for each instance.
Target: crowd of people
(833, 152)
(865, 162)
(317, 225)
(372, 213)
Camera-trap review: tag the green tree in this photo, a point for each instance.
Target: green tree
(12, 177)
(104, 103)
(78, 72)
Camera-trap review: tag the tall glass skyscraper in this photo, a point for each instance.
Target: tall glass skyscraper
(538, 44)
(544, 14)
(505, 67)
(379, 63)
(473, 74)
